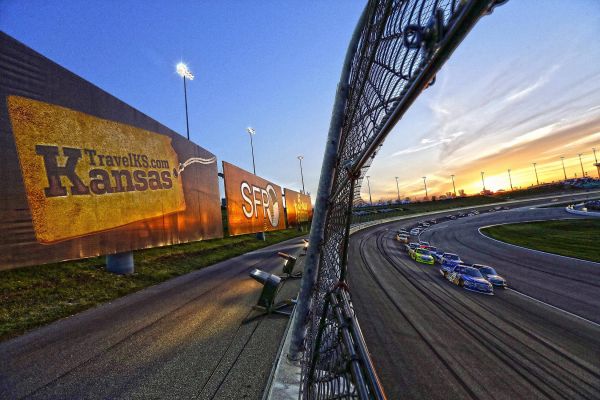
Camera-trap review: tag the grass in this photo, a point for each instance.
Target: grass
(34, 296)
(572, 238)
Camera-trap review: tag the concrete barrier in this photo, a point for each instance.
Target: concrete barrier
(579, 209)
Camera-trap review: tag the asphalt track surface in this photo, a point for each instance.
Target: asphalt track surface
(182, 339)
(430, 339)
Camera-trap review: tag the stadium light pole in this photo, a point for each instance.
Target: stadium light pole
(425, 183)
(453, 185)
(536, 175)
(184, 72)
(510, 180)
(581, 163)
(562, 159)
(398, 189)
(302, 173)
(252, 132)
(369, 186)
(596, 160)
(482, 180)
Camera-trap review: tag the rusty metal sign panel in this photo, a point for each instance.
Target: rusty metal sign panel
(86, 174)
(298, 207)
(253, 203)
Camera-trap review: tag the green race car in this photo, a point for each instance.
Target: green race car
(422, 256)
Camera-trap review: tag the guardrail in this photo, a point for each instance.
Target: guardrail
(396, 50)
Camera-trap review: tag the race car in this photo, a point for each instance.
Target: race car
(491, 275)
(450, 258)
(452, 217)
(423, 243)
(432, 249)
(421, 255)
(445, 269)
(402, 232)
(469, 278)
(402, 238)
(437, 255)
(411, 246)
(415, 231)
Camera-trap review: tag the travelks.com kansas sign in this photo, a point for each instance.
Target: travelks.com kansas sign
(96, 173)
(84, 174)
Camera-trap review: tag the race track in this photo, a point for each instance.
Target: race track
(431, 339)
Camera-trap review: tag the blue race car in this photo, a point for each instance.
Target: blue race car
(447, 268)
(469, 278)
(491, 275)
(450, 258)
(437, 255)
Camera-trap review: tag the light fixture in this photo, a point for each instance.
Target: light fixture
(266, 302)
(251, 132)
(288, 266)
(185, 73)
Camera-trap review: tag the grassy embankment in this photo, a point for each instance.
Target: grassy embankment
(37, 295)
(572, 238)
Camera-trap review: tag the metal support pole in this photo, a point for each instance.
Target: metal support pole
(398, 189)
(563, 164)
(317, 228)
(369, 186)
(302, 174)
(120, 263)
(536, 175)
(425, 183)
(510, 180)
(596, 162)
(482, 180)
(252, 149)
(581, 163)
(187, 122)
(453, 185)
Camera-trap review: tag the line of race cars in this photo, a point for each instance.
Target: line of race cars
(475, 277)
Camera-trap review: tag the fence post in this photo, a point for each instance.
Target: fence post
(317, 227)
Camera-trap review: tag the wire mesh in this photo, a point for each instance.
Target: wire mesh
(399, 42)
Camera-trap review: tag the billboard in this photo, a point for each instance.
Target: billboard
(253, 203)
(298, 207)
(84, 174)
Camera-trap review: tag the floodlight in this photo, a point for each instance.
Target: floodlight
(270, 284)
(266, 302)
(184, 71)
(288, 266)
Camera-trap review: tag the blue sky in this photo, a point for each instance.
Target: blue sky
(524, 86)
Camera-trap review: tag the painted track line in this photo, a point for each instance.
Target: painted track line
(556, 308)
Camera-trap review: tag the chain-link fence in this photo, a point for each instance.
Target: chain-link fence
(395, 52)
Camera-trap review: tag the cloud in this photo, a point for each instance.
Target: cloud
(542, 80)
(415, 149)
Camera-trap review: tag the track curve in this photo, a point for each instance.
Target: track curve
(430, 339)
(564, 282)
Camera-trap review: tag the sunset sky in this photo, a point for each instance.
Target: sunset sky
(523, 87)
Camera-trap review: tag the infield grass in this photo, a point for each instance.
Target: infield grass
(578, 238)
(37, 295)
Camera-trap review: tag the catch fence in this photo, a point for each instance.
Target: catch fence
(396, 50)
